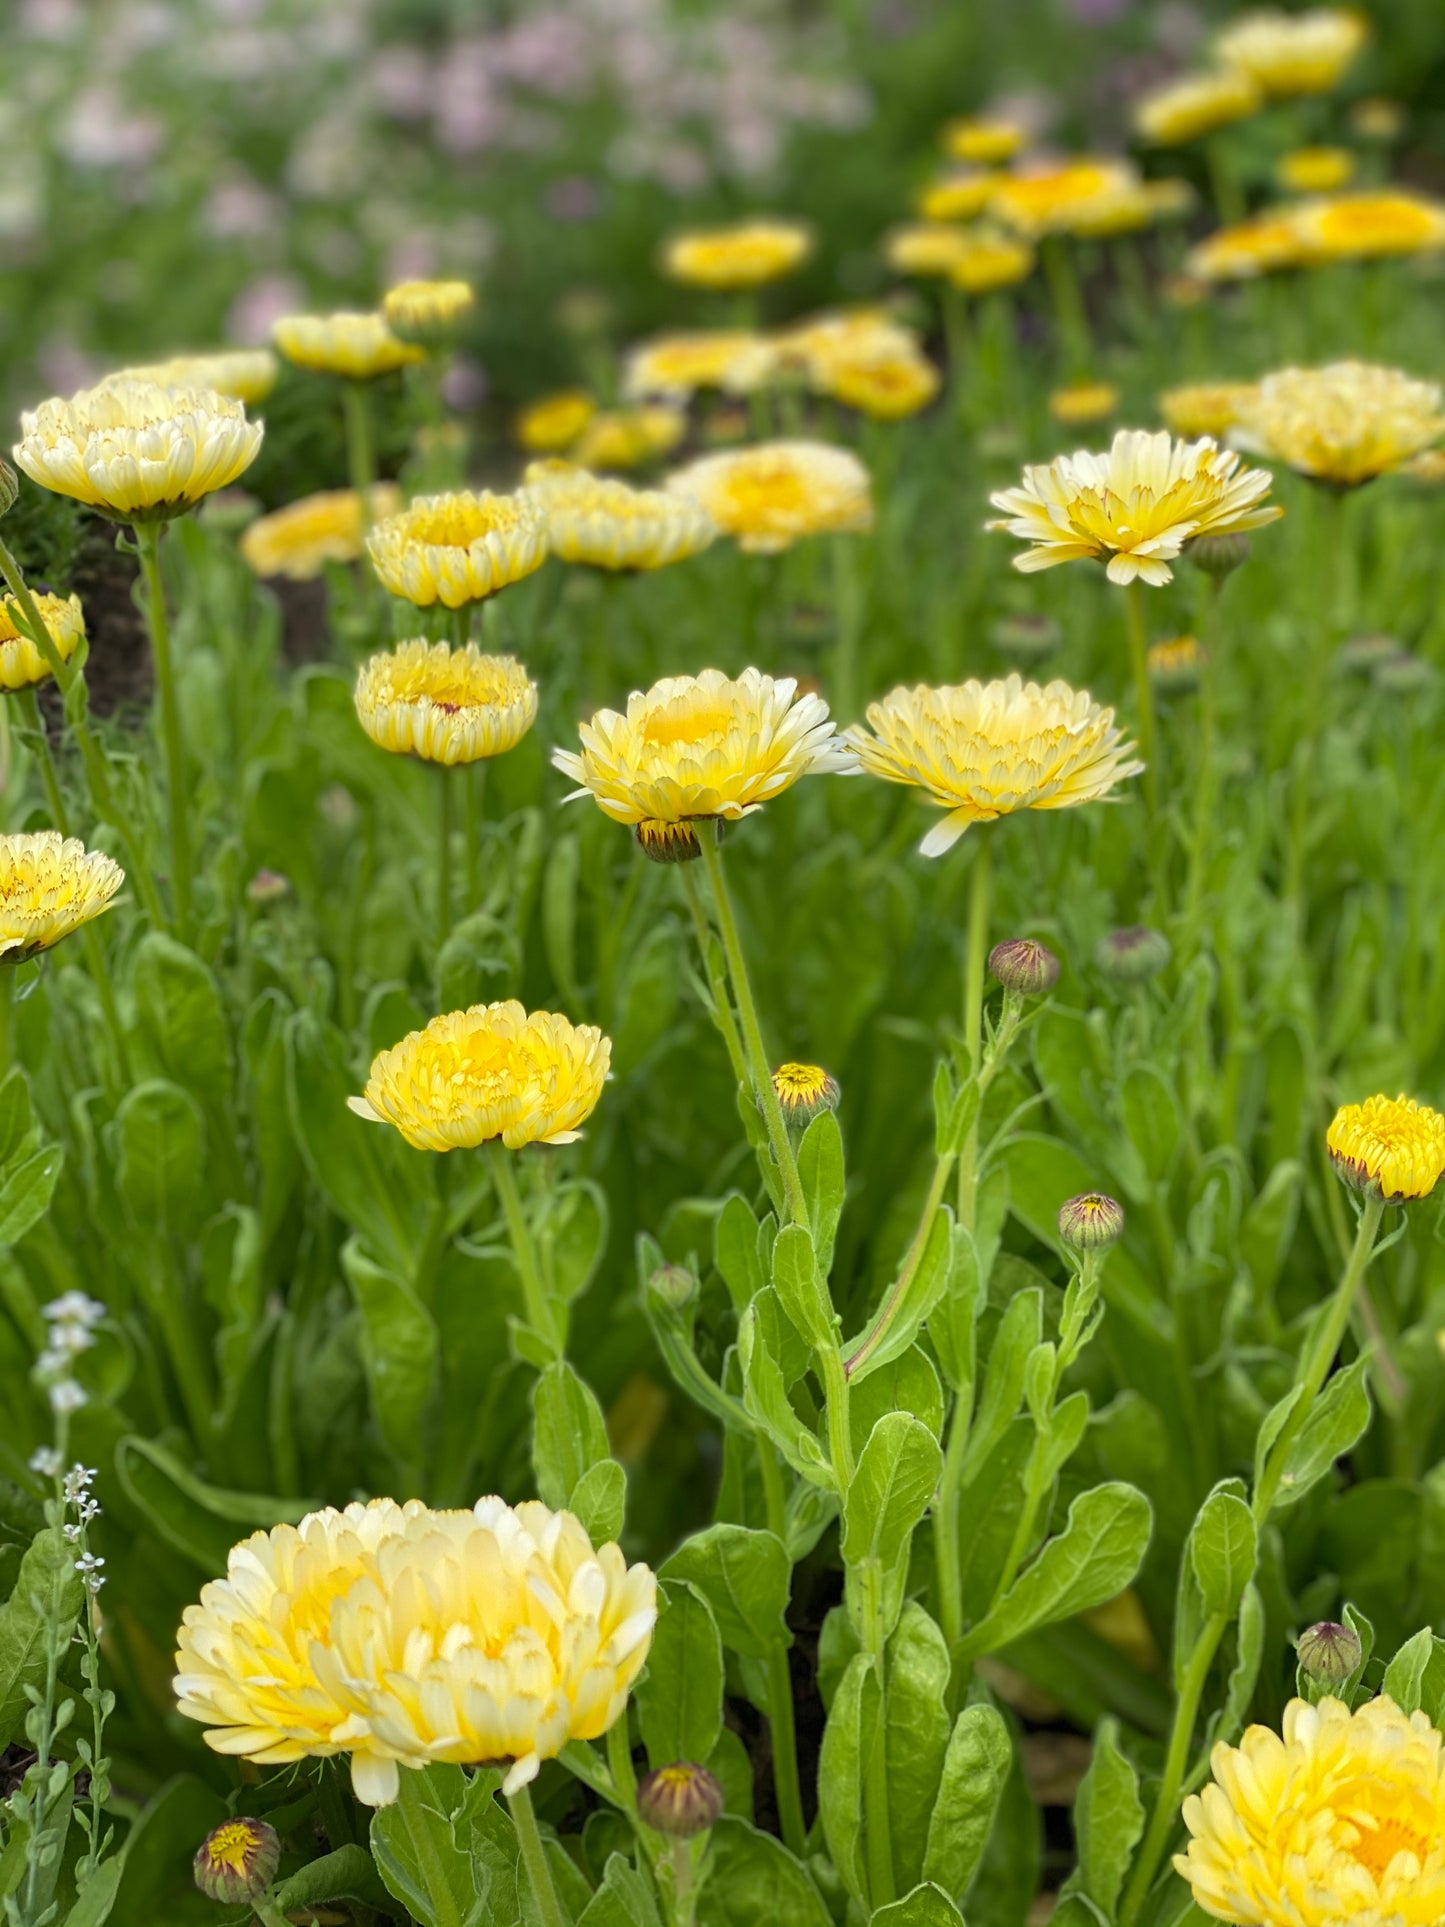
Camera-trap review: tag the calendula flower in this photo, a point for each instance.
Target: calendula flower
(605, 524)
(985, 750)
(1388, 1147)
(237, 1861)
(1130, 207)
(773, 494)
(245, 374)
(1205, 407)
(444, 705)
(456, 549)
(745, 255)
(847, 334)
(1343, 424)
(986, 139)
(1084, 401)
(804, 1090)
(360, 347)
(1138, 504)
(49, 886)
(957, 197)
(924, 248)
(299, 540)
(736, 360)
(1294, 53)
(1054, 197)
(630, 437)
(554, 422)
(1176, 664)
(987, 259)
(1248, 249)
(1196, 104)
(1315, 170)
(702, 747)
(1369, 226)
(887, 387)
(21, 663)
(1342, 1819)
(135, 451)
(494, 1071)
(428, 313)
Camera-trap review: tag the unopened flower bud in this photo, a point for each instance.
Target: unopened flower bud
(1219, 555)
(1328, 1653)
(1026, 638)
(237, 1861)
(267, 886)
(9, 488)
(667, 842)
(1403, 674)
(675, 1285)
(804, 1090)
(1090, 1221)
(681, 1800)
(1176, 666)
(1358, 655)
(1132, 956)
(1019, 964)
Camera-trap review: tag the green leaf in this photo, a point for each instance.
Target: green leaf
(1337, 1421)
(347, 1873)
(181, 1016)
(96, 1896)
(1222, 1548)
(569, 1433)
(1003, 1384)
(47, 1594)
(925, 1906)
(1151, 1117)
(679, 1698)
(849, 1738)
(745, 1577)
(761, 1345)
(573, 1236)
(1108, 1822)
(953, 1322)
(1416, 1674)
(917, 1732)
(623, 1900)
(735, 1251)
(897, 1475)
(27, 1190)
(905, 1384)
(820, 1167)
(756, 1882)
(160, 1150)
(418, 1855)
(599, 1500)
(801, 1288)
(200, 1521)
(905, 1316)
(975, 1768)
(173, 1823)
(399, 1348)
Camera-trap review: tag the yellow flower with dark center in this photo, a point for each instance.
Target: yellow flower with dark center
(1369, 226)
(986, 750)
(1175, 665)
(1294, 53)
(359, 347)
(703, 746)
(887, 387)
(49, 886)
(245, 374)
(957, 197)
(1247, 249)
(299, 540)
(804, 1090)
(554, 422)
(630, 437)
(773, 494)
(456, 549)
(605, 524)
(736, 360)
(1342, 1819)
(494, 1071)
(1196, 104)
(444, 705)
(1315, 170)
(985, 139)
(1084, 401)
(1344, 424)
(1205, 407)
(1139, 504)
(428, 313)
(21, 663)
(925, 248)
(745, 255)
(1388, 1147)
(987, 259)
(135, 451)
(1054, 198)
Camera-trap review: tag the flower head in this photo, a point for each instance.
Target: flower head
(1388, 1147)
(428, 313)
(745, 255)
(1132, 955)
(456, 549)
(1055, 197)
(21, 663)
(1315, 170)
(986, 259)
(1176, 665)
(1344, 424)
(986, 139)
(1083, 401)
(846, 335)
(773, 494)
(1294, 53)
(986, 750)
(958, 196)
(681, 1800)
(49, 886)
(136, 451)
(1196, 104)
(1205, 407)
(488, 1072)
(888, 388)
(1023, 966)
(630, 437)
(359, 346)
(554, 422)
(606, 524)
(1248, 249)
(1370, 226)
(1138, 504)
(1340, 1819)
(736, 360)
(299, 540)
(445, 705)
(804, 1090)
(245, 374)
(237, 1861)
(925, 248)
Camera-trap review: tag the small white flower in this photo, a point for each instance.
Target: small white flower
(74, 1307)
(46, 1461)
(66, 1396)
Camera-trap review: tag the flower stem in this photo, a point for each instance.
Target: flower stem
(444, 853)
(980, 895)
(541, 1314)
(721, 996)
(1070, 315)
(1143, 698)
(360, 448)
(1204, 781)
(785, 1751)
(534, 1859)
(147, 535)
(684, 1884)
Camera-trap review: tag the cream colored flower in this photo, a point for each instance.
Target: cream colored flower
(1345, 423)
(456, 549)
(1248, 249)
(986, 139)
(21, 663)
(494, 1071)
(957, 197)
(444, 705)
(245, 374)
(630, 437)
(988, 259)
(742, 256)
(985, 750)
(1294, 53)
(1370, 226)
(554, 422)
(733, 359)
(773, 494)
(1138, 504)
(1196, 104)
(886, 387)
(136, 451)
(925, 248)
(1205, 407)
(360, 347)
(846, 335)
(299, 540)
(428, 313)
(1056, 197)
(606, 524)
(49, 886)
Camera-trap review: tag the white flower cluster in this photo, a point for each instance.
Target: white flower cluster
(76, 1491)
(72, 1319)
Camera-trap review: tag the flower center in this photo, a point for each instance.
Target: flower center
(454, 525)
(230, 1845)
(686, 723)
(1377, 1846)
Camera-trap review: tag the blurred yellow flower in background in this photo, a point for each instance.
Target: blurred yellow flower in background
(444, 705)
(554, 422)
(49, 886)
(1378, 118)
(21, 663)
(1084, 401)
(985, 750)
(888, 388)
(606, 524)
(1205, 407)
(1340, 1820)
(1054, 197)
(1345, 423)
(1175, 665)
(987, 259)
(428, 314)
(924, 247)
(986, 139)
(957, 197)
(1388, 1147)
(458, 548)
(1294, 53)
(773, 494)
(360, 347)
(736, 360)
(1315, 170)
(245, 374)
(745, 255)
(1246, 249)
(1367, 226)
(299, 540)
(493, 1071)
(630, 437)
(1195, 104)
(847, 335)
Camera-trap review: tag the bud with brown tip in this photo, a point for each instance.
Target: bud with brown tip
(1090, 1221)
(237, 1861)
(1328, 1653)
(1133, 956)
(675, 1285)
(680, 1800)
(1021, 965)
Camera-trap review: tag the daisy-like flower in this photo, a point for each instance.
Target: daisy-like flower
(444, 705)
(299, 540)
(428, 313)
(733, 359)
(888, 388)
(245, 374)
(985, 750)
(456, 549)
(846, 334)
(605, 524)
(630, 437)
(1083, 401)
(1196, 104)
(494, 1071)
(1055, 197)
(359, 347)
(1343, 424)
(1388, 1147)
(745, 255)
(925, 248)
(1294, 53)
(1370, 226)
(987, 259)
(1138, 505)
(136, 451)
(554, 422)
(1316, 170)
(804, 1090)
(21, 663)
(237, 1861)
(773, 494)
(1247, 249)
(697, 747)
(1205, 407)
(987, 140)
(957, 197)
(49, 886)
(1341, 1819)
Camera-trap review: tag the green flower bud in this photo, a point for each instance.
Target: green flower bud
(1403, 674)
(1090, 1221)
(237, 1861)
(1219, 555)
(1026, 638)
(1358, 655)
(675, 1285)
(1133, 956)
(9, 488)
(1328, 1653)
(1019, 964)
(681, 1800)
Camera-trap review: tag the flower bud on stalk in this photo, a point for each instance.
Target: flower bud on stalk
(1133, 956)
(804, 1090)
(237, 1861)
(1024, 967)
(1328, 1653)
(675, 1285)
(1091, 1221)
(680, 1800)
(9, 488)
(1219, 555)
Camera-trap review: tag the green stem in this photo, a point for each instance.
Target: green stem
(785, 1751)
(840, 1434)
(684, 1884)
(268, 1911)
(1204, 781)
(1223, 184)
(845, 625)
(474, 805)
(980, 892)
(1068, 303)
(444, 853)
(897, 1296)
(1328, 588)
(878, 1834)
(1143, 699)
(774, 1500)
(534, 1859)
(147, 535)
(541, 1314)
(360, 449)
(7, 1007)
(619, 1762)
(946, 1557)
(721, 996)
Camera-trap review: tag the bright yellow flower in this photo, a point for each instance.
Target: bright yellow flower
(987, 259)
(136, 451)
(299, 540)
(245, 374)
(1134, 205)
(1345, 423)
(742, 256)
(804, 1090)
(492, 1071)
(359, 346)
(21, 663)
(444, 705)
(428, 313)
(705, 746)
(773, 494)
(1054, 197)
(845, 334)
(985, 750)
(1294, 53)
(887, 387)
(605, 524)
(1316, 170)
(49, 886)
(1205, 407)
(957, 197)
(1195, 104)
(985, 139)
(925, 247)
(456, 549)
(1084, 401)
(630, 437)
(1248, 249)
(1341, 1821)
(1138, 504)
(735, 360)
(554, 423)
(1390, 1147)
(1363, 227)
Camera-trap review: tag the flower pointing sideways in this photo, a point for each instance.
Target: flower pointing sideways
(459, 548)
(299, 540)
(49, 886)
(245, 374)
(1391, 1148)
(359, 347)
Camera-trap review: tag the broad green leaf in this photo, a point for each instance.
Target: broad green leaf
(415, 1845)
(761, 1345)
(1108, 1822)
(820, 1166)
(1222, 1548)
(756, 1882)
(1416, 1674)
(1003, 1382)
(952, 1324)
(346, 1873)
(746, 1578)
(173, 1823)
(15, 1114)
(679, 1698)
(907, 1384)
(1151, 1117)
(802, 1289)
(925, 1906)
(896, 1477)
(95, 1897)
(399, 1347)
(917, 1732)
(569, 1433)
(572, 1237)
(735, 1252)
(623, 1900)
(599, 1500)
(181, 1016)
(1336, 1422)
(199, 1520)
(849, 1738)
(975, 1768)
(160, 1151)
(955, 1109)
(47, 1593)
(901, 1315)
(26, 1191)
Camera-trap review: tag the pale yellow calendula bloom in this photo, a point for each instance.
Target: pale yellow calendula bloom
(21, 663)
(1370, 226)
(245, 374)
(1055, 197)
(1345, 424)
(1294, 53)
(1084, 401)
(986, 139)
(299, 540)
(925, 248)
(360, 347)
(458, 548)
(603, 523)
(554, 422)
(1388, 1147)
(1315, 170)
(988, 259)
(1196, 104)
(1205, 407)
(889, 388)
(844, 334)
(427, 313)
(957, 197)
(773, 494)
(49, 886)
(1247, 249)
(735, 360)
(745, 255)
(444, 705)
(630, 437)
